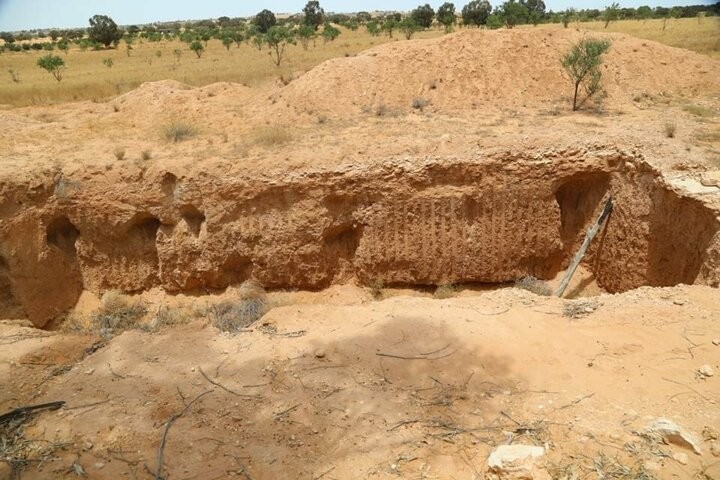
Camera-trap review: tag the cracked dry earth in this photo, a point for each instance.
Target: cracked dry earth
(350, 220)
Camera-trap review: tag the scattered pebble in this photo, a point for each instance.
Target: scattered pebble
(320, 353)
(706, 371)
(716, 341)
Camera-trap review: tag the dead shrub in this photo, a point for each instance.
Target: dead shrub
(146, 155)
(235, 315)
(118, 313)
(178, 131)
(579, 308)
(532, 284)
(167, 317)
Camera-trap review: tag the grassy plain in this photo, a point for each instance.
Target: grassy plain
(86, 77)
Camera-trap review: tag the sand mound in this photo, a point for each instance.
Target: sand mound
(503, 68)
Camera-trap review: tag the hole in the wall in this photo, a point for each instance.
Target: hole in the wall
(193, 218)
(62, 234)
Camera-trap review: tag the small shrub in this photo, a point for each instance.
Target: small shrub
(146, 155)
(167, 317)
(118, 313)
(532, 284)
(445, 291)
(670, 128)
(14, 75)
(420, 103)
(119, 153)
(178, 131)
(272, 136)
(381, 110)
(116, 108)
(108, 62)
(377, 285)
(322, 119)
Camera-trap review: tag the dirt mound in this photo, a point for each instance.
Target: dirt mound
(504, 68)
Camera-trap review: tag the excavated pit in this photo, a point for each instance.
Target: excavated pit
(433, 222)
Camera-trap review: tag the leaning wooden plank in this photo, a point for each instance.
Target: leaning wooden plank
(592, 231)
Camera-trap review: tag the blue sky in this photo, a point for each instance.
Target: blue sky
(29, 14)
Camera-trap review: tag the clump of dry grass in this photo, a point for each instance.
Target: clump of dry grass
(670, 129)
(699, 111)
(167, 317)
(118, 313)
(580, 308)
(235, 315)
(178, 131)
(272, 136)
(146, 155)
(119, 153)
(445, 291)
(532, 284)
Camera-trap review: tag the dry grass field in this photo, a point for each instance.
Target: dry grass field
(87, 78)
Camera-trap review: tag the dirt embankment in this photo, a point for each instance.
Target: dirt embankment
(491, 220)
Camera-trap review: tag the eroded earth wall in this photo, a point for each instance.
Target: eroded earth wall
(429, 221)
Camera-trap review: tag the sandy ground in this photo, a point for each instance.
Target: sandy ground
(399, 388)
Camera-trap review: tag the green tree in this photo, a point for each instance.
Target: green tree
(63, 45)
(643, 13)
(423, 16)
(306, 33)
(513, 13)
(409, 27)
(277, 39)
(7, 37)
(611, 13)
(567, 16)
(197, 47)
(264, 21)
(103, 29)
(373, 28)
(313, 15)
(582, 64)
(390, 25)
(476, 12)
(227, 41)
(52, 64)
(446, 15)
(329, 33)
(54, 35)
(536, 10)
(495, 21)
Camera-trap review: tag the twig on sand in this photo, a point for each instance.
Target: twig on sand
(422, 356)
(168, 424)
(688, 387)
(404, 422)
(286, 411)
(577, 400)
(217, 384)
(323, 474)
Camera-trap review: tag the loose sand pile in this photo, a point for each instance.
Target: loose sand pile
(505, 68)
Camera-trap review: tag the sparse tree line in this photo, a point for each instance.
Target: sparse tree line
(313, 23)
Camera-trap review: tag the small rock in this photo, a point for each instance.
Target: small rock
(320, 353)
(514, 458)
(715, 449)
(89, 371)
(99, 465)
(88, 446)
(709, 434)
(706, 371)
(679, 301)
(670, 432)
(716, 342)
(681, 458)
